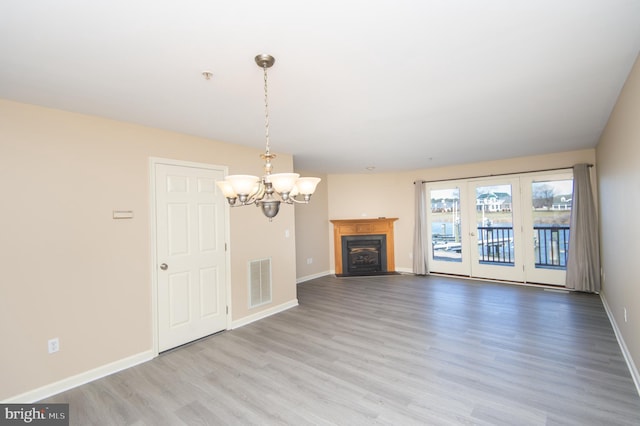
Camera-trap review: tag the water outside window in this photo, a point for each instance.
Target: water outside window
(446, 238)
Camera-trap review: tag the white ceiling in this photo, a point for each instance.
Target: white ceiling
(399, 85)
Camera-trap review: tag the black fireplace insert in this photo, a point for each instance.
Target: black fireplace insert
(364, 255)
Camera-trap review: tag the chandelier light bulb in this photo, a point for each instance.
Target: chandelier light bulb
(283, 182)
(226, 188)
(307, 185)
(243, 184)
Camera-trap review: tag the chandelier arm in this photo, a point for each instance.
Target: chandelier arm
(256, 196)
(292, 200)
(248, 202)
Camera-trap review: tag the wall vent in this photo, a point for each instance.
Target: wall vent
(259, 282)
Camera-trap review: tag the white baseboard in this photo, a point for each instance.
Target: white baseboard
(312, 277)
(80, 379)
(122, 364)
(263, 314)
(625, 351)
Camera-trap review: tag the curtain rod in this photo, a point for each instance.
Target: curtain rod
(499, 174)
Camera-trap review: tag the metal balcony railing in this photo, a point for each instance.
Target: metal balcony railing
(551, 246)
(495, 246)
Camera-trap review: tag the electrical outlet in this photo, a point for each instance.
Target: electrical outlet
(309, 260)
(625, 314)
(54, 345)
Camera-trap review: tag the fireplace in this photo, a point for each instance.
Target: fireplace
(364, 246)
(364, 254)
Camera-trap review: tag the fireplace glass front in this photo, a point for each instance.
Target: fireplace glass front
(364, 254)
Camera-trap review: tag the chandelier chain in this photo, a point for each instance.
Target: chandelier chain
(266, 111)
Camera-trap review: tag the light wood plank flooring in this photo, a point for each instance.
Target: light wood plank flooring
(390, 350)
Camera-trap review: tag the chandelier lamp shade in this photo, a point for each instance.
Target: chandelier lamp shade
(272, 189)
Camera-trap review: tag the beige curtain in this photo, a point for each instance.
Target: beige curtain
(420, 252)
(583, 264)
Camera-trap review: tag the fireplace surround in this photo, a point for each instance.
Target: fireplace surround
(363, 246)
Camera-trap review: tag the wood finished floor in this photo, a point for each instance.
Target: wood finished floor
(391, 350)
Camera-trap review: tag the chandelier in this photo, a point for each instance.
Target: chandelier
(269, 191)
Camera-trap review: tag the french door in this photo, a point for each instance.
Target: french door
(448, 228)
(495, 244)
(547, 232)
(513, 228)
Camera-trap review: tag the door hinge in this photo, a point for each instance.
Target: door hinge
(225, 246)
(227, 310)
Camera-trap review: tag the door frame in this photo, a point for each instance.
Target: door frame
(515, 272)
(456, 268)
(529, 275)
(153, 161)
(532, 274)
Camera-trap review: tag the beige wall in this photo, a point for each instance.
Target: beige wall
(618, 155)
(70, 270)
(74, 273)
(391, 195)
(312, 225)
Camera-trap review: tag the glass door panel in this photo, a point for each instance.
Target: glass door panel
(495, 237)
(446, 231)
(548, 218)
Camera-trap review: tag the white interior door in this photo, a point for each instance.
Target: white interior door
(190, 254)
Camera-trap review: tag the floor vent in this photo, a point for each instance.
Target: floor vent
(259, 282)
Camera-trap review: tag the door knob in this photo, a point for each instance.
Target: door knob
(164, 266)
(472, 234)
